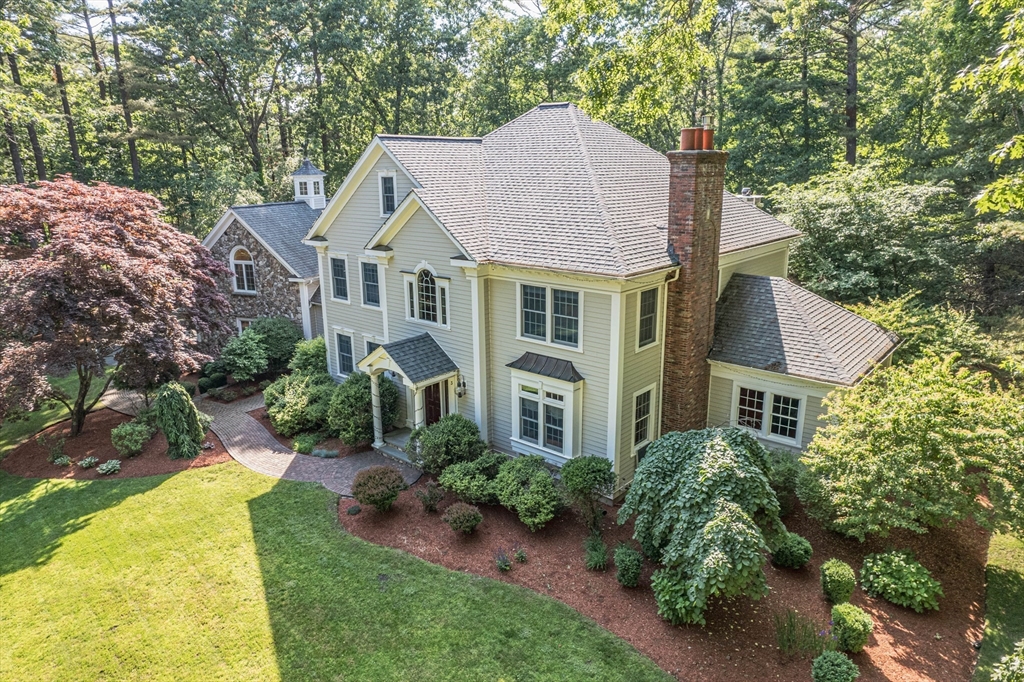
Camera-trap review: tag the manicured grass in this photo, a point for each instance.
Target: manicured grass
(12, 434)
(1004, 607)
(223, 574)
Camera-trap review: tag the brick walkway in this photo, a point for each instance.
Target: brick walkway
(252, 446)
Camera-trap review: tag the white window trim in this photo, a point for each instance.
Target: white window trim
(368, 339)
(549, 310)
(240, 320)
(348, 277)
(362, 285)
(338, 331)
(572, 413)
(442, 283)
(653, 422)
(380, 190)
(657, 321)
(234, 278)
(303, 188)
(765, 431)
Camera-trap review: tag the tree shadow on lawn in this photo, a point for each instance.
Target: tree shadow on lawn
(342, 607)
(1004, 604)
(37, 513)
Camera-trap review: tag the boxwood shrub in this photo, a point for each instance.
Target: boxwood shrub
(851, 627)
(793, 552)
(628, 564)
(837, 581)
(524, 485)
(473, 481)
(898, 577)
(378, 486)
(834, 666)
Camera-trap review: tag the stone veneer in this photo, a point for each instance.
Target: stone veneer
(275, 296)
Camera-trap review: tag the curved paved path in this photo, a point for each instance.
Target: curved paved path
(251, 445)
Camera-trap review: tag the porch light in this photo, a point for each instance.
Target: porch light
(460, 387)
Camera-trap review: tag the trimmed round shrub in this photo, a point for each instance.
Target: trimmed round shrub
(176, 415)
(111, 466)
(595, 553)
(585, 479)
(462, 517)
(898, 578)
(793, 552)
(189, 387)
(524, 485)
(851, 627)
(279, 336)
(350, 413)
(310, 356)
(473, 481)
(129, 438)
(245, 356)
(834, 666)
(205, 384)
(378, 487)
(305, 443)
(218, 379)
(215, 367)
(300, 402)
(453, 438)
(628, 564)
(429, 496)
(837, 581)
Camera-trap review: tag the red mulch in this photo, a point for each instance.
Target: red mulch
(29, 458)
(738, 642)
(260, 415)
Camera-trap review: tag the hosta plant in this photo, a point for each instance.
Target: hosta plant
(88, 462)
(899, 578)
(111, 466)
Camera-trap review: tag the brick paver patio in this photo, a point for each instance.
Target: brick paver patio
(251, 445)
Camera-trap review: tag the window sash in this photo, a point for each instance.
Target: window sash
(345, 360)
(303, 188)
(371, 346)
(751, 409)
(371, 285)
(387, 191)
(642, 418)
(566, 316)
(554, 422)
(339, 275)
(426, 287)
(316, 187)
(412, 300)
(535, 318)
(529, 420)
(245, 277)
(785, 416)
(648, 327)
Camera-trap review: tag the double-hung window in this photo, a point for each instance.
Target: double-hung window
(427, 297)
(303, 188)
(774, 416)
(549, 315)
(545, 411)
(346, 363)
(339, 279)
(245, 271)
(371, 285)
(387, 195)
(647, 327)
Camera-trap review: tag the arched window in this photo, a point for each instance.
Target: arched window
(245, 270)
(426, 290)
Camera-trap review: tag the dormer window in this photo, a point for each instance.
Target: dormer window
(304, 188)
(387, 194)
(245, 271)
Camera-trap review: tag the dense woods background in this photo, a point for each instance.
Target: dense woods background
(874, 125)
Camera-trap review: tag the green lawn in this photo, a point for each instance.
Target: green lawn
(14, 433)
(1004, 597)
(224, 574)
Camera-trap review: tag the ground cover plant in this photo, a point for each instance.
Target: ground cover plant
(899, 578)
(297, 600)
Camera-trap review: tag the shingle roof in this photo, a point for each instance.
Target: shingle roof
(307, 168)
(546, 366)
(420, 358)
(554, 189)
(771, 324)
(283, 226)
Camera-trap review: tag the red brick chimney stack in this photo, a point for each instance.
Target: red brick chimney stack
(694, 230)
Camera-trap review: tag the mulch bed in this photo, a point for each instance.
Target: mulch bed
(260, 415)
(738, 642)
(29, 458)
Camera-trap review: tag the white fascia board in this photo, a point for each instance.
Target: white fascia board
(394, 224)
(222, 225)
(267, 247)
(728, 370)
(742, 255)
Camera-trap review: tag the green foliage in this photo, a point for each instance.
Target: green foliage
(502, 561)
(350, 414)
(586, 479)
(595, 553)
(837, 581)
(473, 481)
(430, 495)
(111, 466)
(834, 666)
(378, 486)
(310, 356)
(628, 564)
(189, 387)
(453, 438)
(223, 393)
(851, 626)
(62, 461)
(245, 355)
(279, 337)
(519, 554)
(798, 635)
(218, 379)
(783, 472)
(88, 462)
(1011, 667)
(524, 485)
(204, 384)
(793, 551)
(300, 402)
(304, 443)
(53, 444)
(176, 415)
(129, 438)
(914, 447)
(898, 578)
(706, 511)
(462, 517)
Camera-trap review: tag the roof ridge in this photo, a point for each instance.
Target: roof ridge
(443, 138)
(813, 328)
(598, 194)
(270, 203)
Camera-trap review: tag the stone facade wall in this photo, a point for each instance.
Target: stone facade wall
(275, 296)
(694, 231)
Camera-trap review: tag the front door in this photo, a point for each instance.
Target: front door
(434, 399)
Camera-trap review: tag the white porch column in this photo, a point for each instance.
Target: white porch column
(378, 421)
(420, 417)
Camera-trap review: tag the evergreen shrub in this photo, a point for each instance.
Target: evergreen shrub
(794, 551)
(837, 581)
(378, 486)
(350, 413)
(851, 626)
(628, 564)
(473, 481)
(451, 439)
(834, 666)
(176, 415)
(524, 485)
(462, 517)
(586, 479)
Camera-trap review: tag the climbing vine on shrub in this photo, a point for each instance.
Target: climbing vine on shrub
(350, 414)
(706, 511)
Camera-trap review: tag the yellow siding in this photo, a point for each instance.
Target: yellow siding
(771, 265)
(640, 369)
(720, 402)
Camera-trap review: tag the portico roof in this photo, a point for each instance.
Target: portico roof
(417, 358)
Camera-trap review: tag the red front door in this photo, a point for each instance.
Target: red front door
(434, 400)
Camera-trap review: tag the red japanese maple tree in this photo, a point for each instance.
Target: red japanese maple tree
(93, 281)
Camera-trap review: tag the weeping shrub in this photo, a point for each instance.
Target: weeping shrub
(176, 415)
(350, 413)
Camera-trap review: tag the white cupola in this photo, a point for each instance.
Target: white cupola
(309, 184)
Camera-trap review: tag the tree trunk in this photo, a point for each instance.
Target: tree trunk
(97, 65)
(33, 138)
(68, 119)
(805, 100)
(851, 88)
(133, 151)
(14, 149)
(282, 124)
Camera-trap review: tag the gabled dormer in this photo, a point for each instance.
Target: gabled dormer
(309, 184)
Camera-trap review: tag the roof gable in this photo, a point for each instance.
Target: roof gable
(278, 227)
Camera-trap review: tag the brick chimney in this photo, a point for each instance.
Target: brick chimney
(694, 230)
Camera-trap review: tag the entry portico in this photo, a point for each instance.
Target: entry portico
(429, 375)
